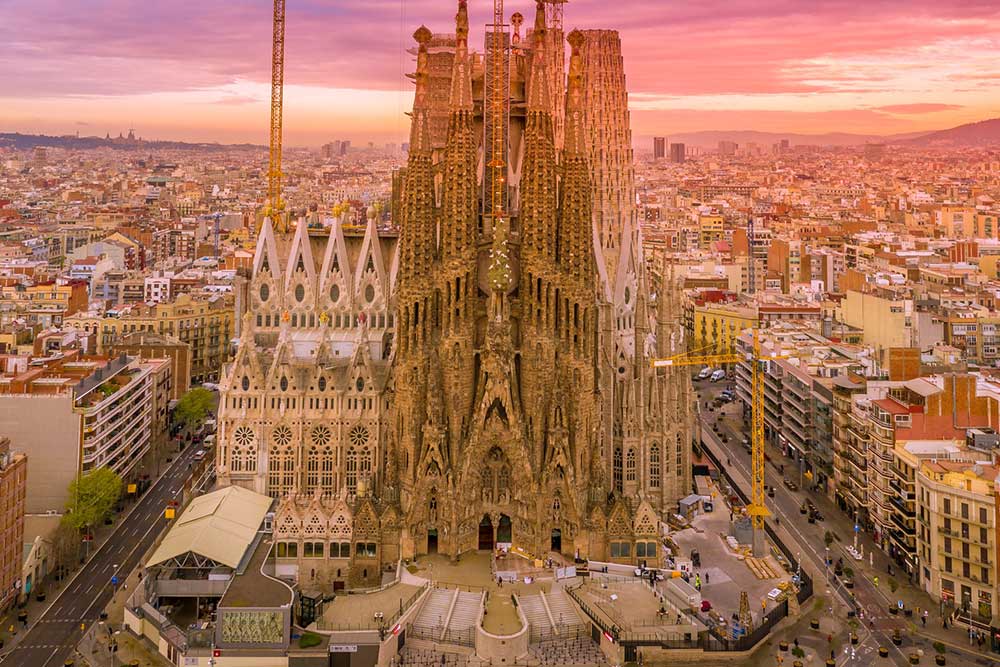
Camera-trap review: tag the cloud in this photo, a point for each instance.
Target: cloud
(918, 108)
(237, 100)
(824, 51)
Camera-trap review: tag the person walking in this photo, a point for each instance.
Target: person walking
(923, 618)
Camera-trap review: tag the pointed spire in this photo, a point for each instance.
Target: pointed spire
(420, 139)
(574, 142)
(461, 72)
(538, 85)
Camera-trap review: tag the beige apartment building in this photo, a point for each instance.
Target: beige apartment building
(957, 521)
(203, 321)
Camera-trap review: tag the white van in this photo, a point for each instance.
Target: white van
(718, 375)
(705, 372)
(209, 441)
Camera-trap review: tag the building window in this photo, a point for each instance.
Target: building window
(616, 470)
(630, 465)
(312, 550)
(287, 549)
(654, 466)
(364, 549)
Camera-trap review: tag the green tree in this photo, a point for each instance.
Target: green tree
(194, 406)
(92, 498)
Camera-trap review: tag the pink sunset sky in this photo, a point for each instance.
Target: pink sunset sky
(200, 70)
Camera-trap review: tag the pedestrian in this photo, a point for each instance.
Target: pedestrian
(944, 622)
(706, 577)
(875, 581)
(796, 640)
(833, 655)
(923, 619)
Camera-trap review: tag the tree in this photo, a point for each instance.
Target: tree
(65, 547)
(92, 497)
(194, 406)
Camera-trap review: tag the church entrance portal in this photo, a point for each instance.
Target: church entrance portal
(486, 533)
(556, 539)
(504, 531)
(432, 541)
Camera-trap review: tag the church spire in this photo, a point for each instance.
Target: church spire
(420, 138)
(461, 73)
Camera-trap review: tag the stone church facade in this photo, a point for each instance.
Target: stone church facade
(469, 381)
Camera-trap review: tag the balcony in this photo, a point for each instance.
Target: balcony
(906, 524)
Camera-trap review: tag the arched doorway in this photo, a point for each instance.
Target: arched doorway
(556, 544)
(504, 531)
(486, 533)
(432, 541)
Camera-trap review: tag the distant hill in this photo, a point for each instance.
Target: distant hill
(983, 133)
(711, 138)
(72, 142)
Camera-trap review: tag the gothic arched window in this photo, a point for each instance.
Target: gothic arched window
(630, 465)
(654, 466)
(616, 469)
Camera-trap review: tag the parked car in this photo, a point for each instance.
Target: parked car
(718, 375)
(792, 486)
(705, 372)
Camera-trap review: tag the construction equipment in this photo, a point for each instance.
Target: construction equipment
(496, 115)
(757, 508)
(746, 619)
(275, 206)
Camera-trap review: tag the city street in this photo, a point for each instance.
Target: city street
(50, 639)
(878, 624)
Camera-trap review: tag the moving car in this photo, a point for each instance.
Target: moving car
(792, 486)
(199, 455)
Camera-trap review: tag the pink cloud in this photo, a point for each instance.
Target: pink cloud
(913, 109)
(84, 48)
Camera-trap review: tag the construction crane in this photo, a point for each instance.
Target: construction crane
(275, 206)
(496, 113)
(757, 509)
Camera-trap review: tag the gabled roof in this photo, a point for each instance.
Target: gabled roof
(220, 526)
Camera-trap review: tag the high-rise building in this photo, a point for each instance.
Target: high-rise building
(659, 148)
(490, 384)
(677, 153)
(728, 147)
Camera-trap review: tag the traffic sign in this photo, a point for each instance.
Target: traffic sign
(114, 580)
(857, 528)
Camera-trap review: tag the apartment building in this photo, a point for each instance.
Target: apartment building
(800, 383)
(202, 320)
(45, 304)
(71, 414)
(13, 484)
(957, 518)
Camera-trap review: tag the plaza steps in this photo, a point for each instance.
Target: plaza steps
(537, 613)
(563, 611)
(465, 611)
(434, 613)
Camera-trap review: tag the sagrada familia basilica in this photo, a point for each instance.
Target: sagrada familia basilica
(480, 375)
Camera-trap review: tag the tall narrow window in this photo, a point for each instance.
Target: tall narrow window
(616, 472)
(630, 465)
(654, 466)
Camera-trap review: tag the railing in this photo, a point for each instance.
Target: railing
(440, 634)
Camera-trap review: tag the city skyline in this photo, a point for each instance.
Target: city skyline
(200, 72)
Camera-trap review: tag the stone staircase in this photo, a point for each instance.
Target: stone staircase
(534, 610)
(465, 612)
(434, 613)
(564, 613)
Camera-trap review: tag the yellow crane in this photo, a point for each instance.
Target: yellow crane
(275, 206)
(757, 509)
